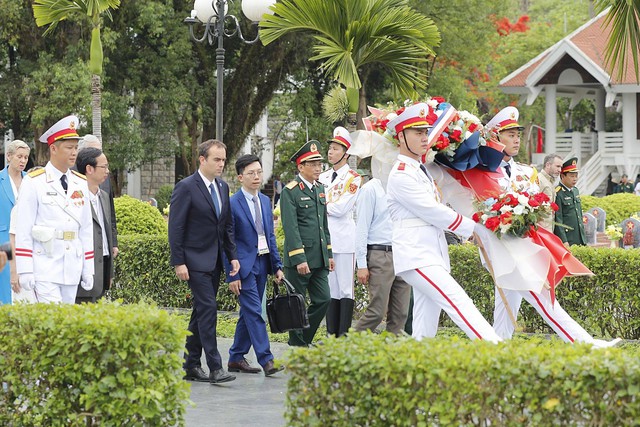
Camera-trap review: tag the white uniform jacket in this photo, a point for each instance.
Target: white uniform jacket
(419, 218)
(342, 194)
(520, 180)
(66, 218)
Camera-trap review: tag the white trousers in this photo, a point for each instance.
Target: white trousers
(341, 278)
(54, 292)
(555, 316)
(24, 296)
(435, 290)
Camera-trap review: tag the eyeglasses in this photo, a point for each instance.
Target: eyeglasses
(103, 166)
(253, 173)
(313, 164)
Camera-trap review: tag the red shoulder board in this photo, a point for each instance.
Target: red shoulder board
(401, 166)
(301, 185)
(354, 173)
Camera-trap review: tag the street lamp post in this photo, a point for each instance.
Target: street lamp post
(212, 14)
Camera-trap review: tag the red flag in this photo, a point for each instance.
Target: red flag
(540, 141)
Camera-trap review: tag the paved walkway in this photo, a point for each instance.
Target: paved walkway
(252, 399)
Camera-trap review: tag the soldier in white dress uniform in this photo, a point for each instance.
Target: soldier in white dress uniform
(54, 230)
(516, 176)
(342, 185)
(420, 254)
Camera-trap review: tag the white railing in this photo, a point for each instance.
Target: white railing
(592, 174)
(610, 142)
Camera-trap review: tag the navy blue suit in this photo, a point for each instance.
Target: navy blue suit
(197, 237)
(254, 269)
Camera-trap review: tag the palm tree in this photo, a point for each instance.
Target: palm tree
(52, 12)
(624, 19)
(353, 36)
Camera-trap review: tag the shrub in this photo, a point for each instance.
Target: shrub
(163, 196)
(617, 206)
(606, 305)
(137, 217)
(143, 272)
(92, 364)
(368, 380)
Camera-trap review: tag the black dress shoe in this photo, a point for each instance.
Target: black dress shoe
(242, 366)
(270, 368)
(196, 374)
(220, 376)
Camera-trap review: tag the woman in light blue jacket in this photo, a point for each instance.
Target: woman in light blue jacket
(10, 180)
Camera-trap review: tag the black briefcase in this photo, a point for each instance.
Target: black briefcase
(286, 311)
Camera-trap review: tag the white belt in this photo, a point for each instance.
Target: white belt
(65, 235)
(413, 222)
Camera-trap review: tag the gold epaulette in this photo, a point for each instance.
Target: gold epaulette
(291, 185)
(76, 173)
(558, 188)
(36, 172)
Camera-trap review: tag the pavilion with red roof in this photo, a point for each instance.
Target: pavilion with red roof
(575, 68)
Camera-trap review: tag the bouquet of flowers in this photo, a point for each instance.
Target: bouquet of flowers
(514, 213)
(381, 116)
(613, 232)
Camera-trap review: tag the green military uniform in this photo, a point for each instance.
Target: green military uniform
(306, 239)
(569, 226)
(626, 187)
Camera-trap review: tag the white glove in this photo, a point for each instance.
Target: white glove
(87, 282)
(27, 281)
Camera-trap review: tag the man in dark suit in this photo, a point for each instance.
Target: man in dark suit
(89, 141)
(200, 227)
(308, 257)
(92, 163)
(258, 256)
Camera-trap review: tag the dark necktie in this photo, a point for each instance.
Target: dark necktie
(334, 176)
(63, 181)
(259, 226)
(507, 169)
(423, 168)
(214, 197)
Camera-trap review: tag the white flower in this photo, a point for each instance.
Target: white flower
(432, 103)
(518, 210)
(484, 217)
(504, 228)
(506, 208)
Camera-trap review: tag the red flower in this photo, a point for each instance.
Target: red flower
(439, 99)
(431, 117)
(541, 198)
(476, 216)
(554, 206)
(492, 223)
(400, 110)
(496, 206)
(533, 202)
(473, 127)
(456, 135)
(506, 218)
(510, 200)
(442, 142)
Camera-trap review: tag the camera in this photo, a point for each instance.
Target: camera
(6, 248)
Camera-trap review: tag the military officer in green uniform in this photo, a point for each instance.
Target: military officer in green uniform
(569, 226)
(307, 245)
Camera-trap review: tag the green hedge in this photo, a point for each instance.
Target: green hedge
(137, 217)
(93, 364)
(617, 206)
(607, 305)
(143, 272)
(379, 380)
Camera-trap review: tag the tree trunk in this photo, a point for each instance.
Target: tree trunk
(96, 106)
